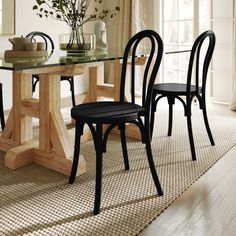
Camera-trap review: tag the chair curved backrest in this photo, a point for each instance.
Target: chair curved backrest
(47, 39)
(151, 68)
(195, 58)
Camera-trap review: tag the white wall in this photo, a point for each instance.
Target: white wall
(7, 17)
(27, 21)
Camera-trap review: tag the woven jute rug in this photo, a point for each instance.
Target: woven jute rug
(38, 201)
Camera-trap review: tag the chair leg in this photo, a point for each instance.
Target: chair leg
(153, 110)
(72, 89)
(124, 146)
(105, 137)
(98, 187)
(78, 133)
(171, 101)
(34, 83)
(204, 112)
(151, 162)
(139, 124)
(1, 109)
(190, 135)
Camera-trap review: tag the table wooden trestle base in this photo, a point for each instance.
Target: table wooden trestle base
(54, 147)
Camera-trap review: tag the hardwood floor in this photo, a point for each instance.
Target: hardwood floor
(208, 207)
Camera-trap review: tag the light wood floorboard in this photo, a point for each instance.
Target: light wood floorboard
(208, 206)
(231, 228)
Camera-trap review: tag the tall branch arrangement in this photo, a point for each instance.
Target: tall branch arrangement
(74, 13)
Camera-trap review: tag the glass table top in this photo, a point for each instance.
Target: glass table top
(59, 57)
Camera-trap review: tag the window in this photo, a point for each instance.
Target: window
(182, 22)
(221, 21)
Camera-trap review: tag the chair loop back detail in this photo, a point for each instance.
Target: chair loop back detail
(195, 53)
(131, 49)
(50, 46)
(47, 39)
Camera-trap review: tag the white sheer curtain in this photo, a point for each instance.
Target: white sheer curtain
(233, 103)
(133, 17)
(139, 21)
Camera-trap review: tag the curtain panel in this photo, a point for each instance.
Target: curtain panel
(233, 102)
(133, 17)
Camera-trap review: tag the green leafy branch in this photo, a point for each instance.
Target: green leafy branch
(73, 12)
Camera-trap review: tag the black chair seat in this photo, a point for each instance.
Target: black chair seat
(107, 112)
(174, 89)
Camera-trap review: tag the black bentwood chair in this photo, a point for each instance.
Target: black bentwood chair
(1, 108)
(121, 112)
(49, 42)
(189, 90)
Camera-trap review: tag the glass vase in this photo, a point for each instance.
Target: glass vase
(77, 42)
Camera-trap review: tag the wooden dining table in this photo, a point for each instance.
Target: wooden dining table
(53, 148)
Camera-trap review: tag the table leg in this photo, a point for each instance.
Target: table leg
(91, 95)
(54, 149)
(19, 127)
(22, 125)
(131, 130)
(55, 146)
(117, 78)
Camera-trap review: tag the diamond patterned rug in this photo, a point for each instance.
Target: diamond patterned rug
(37, 201)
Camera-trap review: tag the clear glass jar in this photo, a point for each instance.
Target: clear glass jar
(77, 42)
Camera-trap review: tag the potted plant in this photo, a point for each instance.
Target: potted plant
(75, 14)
